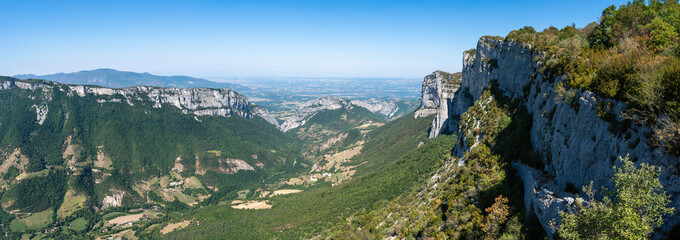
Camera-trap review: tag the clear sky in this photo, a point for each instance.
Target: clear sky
(224, 39)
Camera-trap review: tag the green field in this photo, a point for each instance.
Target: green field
(112, 215)
(40, 173)
(35, 221)
(80, 224)
(17, 225)
(72, 202)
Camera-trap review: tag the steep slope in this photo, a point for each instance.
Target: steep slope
(112, 78)
(459, 196)
(73, 149)
(521, 117)
(578, 144)
(577, 139)
(329, 129)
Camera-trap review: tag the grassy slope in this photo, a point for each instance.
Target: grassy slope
(303, 214)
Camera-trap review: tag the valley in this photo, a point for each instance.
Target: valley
(564, 133)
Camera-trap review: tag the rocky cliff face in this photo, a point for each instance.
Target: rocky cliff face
(308, 109)
(198, 101)
(385, 108)
(438, 92)
(577, 145)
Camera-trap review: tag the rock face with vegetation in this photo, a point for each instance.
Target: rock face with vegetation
(79, 152)
(385, 108)
(199, 101)
(309, 109)
(439, 89)
(578, 133)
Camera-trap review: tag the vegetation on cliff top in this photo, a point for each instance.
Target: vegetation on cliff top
(632, 54)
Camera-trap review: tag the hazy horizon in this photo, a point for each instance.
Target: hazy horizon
(245, 39)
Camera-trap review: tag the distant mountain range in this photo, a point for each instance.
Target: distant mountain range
(112, 78)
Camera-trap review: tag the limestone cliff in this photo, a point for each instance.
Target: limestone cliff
(439, 89)
(197, 101)
(385, 108)
(578, 146)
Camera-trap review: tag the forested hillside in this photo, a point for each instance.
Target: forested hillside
(77, 155)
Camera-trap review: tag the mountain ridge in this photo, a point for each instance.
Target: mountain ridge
(107, 77)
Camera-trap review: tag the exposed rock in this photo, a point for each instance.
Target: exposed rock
(178, 167)
(227, 165)
(235, 165)
(578, 146)
(386, 108)
(113, 200)
(264, 114)
(543, 197)
(41, 113)
(197, 101)
(13, 159)
(439, 89)
(310, 108)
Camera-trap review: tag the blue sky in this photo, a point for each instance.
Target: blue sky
(225, 39)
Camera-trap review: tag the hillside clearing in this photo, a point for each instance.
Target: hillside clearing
(285, 191)
(174, 226)
(35, 221)
(126, 219)
(72, 202)
(253, 205)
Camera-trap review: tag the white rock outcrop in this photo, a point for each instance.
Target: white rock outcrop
(113, 200)
(309, 109)
(439, 89)
(235, 165)
(264, 114)
(386, 108)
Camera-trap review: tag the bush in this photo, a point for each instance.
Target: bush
(632, 212)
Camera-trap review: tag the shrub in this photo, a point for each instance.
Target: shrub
(631, 212)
